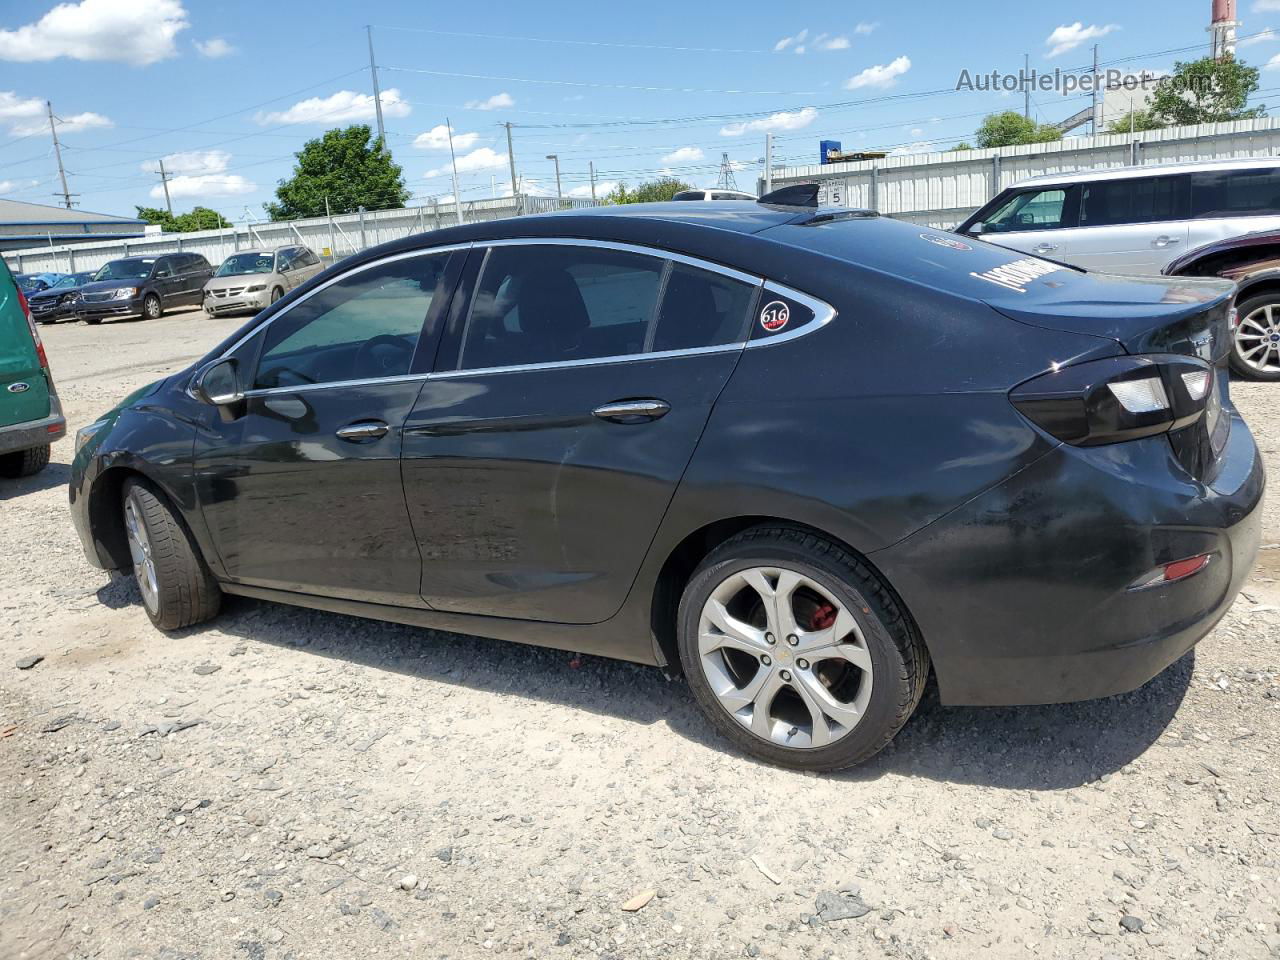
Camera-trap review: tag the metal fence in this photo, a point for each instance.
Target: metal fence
(940, 189)
(333, 237)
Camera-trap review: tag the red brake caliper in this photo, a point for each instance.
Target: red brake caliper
(823, 618)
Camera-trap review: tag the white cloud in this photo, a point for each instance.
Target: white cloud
(15, 108)
(1266, 6)
(785, 42)
(1262, 36)
(209, 185)
(917, 132)
(194, 162)
(497, 102)
(1066, 37)
(214, 47)
(129, 31)
(863, 29)
(603, 189)
(29, 117)
(832, 43)
(7, 186)
(684, 155)
(775, 122)
(1273, 63)
(341, 107)
(881, 75)
(437, 138)
(912, 148)
(485, 158)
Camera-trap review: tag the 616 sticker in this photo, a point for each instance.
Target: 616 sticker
(774, 316)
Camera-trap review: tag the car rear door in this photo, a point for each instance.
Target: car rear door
(1132, 225)
(1230, 203)
(573, 384)
(24, 391)
(299, 483)
(167, 280)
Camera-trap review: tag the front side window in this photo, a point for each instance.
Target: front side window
(164, 268)
(1140, 200)
(1236, 193)
(364, 326)
(1030, 210)
(549, 303)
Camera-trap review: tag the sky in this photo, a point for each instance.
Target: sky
(225, 92)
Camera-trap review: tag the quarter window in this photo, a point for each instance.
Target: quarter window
(1031, 210)
(542, 303)
(364, 326)
(1139, 200)
(1235, 193)
(701, 309)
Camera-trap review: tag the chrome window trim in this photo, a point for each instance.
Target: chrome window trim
(588, 361)
(823, 313)
(747, 278)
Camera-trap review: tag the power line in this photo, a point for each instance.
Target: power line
(579, 43)
(607, 86)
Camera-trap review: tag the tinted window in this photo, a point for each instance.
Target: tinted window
(306, 258)
(701, 309)
(776, 315)
(1030, 210)
(163, 268)
(364, 326)
(544, 304)
(1235, 193)
(1142, 200)
(690, 195)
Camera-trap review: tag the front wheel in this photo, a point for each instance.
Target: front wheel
(1255, 342)
(797, 651)
(276, 294)
(151, 307)
(176, 586)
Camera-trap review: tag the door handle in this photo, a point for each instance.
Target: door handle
(1164, 241)
(632, 411)
(363, 430)
(1044, 248)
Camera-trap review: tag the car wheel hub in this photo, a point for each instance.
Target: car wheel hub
(144, 567)
(1258, 339)
(784, 658)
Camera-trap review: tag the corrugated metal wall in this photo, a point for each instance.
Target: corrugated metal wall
(941, 189)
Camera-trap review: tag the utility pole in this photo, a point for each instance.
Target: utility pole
(1026, 85)
(57, 151)
(592, 167)
(1096, 122)
(511, 156)
(164, 179)
(377, 95)
(559, 195)
(768, 163)
(333, 247)
(457, 198)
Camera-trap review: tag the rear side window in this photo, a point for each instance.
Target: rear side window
(776, 314)
(550, 303)
(1235, 193)
(701, 309)
(1140, 200)
(1031, 210)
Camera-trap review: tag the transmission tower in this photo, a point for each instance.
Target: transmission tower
(726, 181)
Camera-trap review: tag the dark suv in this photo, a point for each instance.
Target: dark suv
(144, 287)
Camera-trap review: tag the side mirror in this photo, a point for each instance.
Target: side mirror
(977, 229)
(218, 384)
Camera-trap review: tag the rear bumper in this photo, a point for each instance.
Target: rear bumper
(35, 433)
(1023, 595)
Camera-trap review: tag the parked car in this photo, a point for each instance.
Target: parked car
(795, 455)
(59, 301)
(713, 195)
(252, 279)
(1252, 262)
(144, 287)
(30, 283)
(30, 414)
(1132, 220)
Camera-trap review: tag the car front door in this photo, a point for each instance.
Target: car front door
(1131, 225)
(300, 482)
(572, 387)
(166, 282)
(1035, 221)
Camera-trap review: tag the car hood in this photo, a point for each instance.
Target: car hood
(51, 294)
(105, 286)
(238, 280)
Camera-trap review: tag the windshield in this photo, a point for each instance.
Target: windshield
(134, 268)
(70, 280)
(30, 284)
(242, 263)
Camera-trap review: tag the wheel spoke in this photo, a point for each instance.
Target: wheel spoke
(820, 701)
(729, 632)
(762, 701)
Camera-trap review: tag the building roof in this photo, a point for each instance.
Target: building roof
(19, 211)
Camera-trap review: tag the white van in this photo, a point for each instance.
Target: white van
(1132, 220)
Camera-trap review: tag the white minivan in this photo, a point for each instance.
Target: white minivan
(1132, 220)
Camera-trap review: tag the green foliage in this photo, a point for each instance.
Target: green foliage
(349, 167)
(1206, 91)
(963, 145)
(653, 191)
(1011, 128)
(1140, 120)
(197, 218)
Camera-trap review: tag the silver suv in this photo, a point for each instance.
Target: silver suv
(251, 279)
(1132, 220)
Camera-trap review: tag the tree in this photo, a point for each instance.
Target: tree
(1011, 128)
(963, 145)
(1135, 120)
(197, 218)
(349, 167)
(1206, 91)
(653, 191)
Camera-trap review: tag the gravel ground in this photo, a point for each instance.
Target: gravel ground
(289, 783)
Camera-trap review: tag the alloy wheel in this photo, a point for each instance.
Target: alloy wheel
(1258, 339)
(784, 657)
(144, 566)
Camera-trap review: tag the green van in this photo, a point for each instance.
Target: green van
(30, 414)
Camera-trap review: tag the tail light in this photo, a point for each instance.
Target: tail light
(1120, 398)
(35, 334)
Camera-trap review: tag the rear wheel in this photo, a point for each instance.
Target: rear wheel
(23, 463)
(1255, 343)
(176, 586)
(797, 651)
(93, 321)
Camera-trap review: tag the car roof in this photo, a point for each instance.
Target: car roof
(1149, 170)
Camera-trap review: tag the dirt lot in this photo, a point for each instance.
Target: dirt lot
(286, 783)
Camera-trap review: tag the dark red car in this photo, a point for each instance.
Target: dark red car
(1253, 262)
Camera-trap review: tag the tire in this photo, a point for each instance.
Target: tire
(1256, 328)
(24, 463)
(865, 614)
(276, 294)
(176, 586)
(152, 308)
(93, 321)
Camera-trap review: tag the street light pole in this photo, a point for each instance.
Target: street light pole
(559, 194)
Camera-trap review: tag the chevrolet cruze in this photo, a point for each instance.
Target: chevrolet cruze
(802, 457)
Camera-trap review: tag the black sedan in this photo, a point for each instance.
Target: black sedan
(797, 456)
(60, 300)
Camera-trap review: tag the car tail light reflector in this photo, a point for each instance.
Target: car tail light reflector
(1172, 572)
(35, 334)
(1141, 396)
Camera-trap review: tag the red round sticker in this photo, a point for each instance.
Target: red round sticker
(774, 316)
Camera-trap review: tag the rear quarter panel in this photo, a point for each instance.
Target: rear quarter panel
(19, 363)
